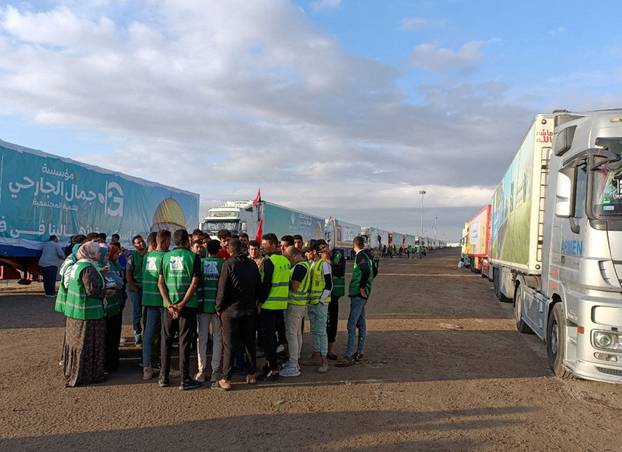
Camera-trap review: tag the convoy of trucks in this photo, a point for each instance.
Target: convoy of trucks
(476, 240)
(43, 195)
(556, 240)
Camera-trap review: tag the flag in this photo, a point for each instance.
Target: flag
(257, 199)
(259, 231)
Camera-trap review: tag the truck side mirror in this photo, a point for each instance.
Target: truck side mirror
(563, 195)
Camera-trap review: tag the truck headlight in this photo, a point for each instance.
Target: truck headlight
(607, 340)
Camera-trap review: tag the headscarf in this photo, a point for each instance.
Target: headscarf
(89, 251)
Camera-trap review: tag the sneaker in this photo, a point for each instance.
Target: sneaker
(289, 371)
(138, 339)
(280, 348)
(323, 368)
(122, 342)
(358, 357)
(189, 384)
(200, 377)
(272, 375)
(163, 382)
(148, 373)
(346, 361)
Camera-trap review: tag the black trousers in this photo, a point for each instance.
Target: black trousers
(269, 324)
(49, 279)
(186, 325)
(113, 337)
(333, 319)
(238, 337)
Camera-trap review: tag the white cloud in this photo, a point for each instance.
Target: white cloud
(222, 97)
(418, 23)
(320, 5)
(431, 56)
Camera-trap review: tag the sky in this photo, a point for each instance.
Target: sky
(343, 108)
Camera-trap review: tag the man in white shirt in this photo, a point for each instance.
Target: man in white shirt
(52, 255)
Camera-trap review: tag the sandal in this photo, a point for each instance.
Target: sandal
(223, 385)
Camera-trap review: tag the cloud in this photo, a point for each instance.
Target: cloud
(223, 97)
(433, 57)
(321, 5)
(418, 23)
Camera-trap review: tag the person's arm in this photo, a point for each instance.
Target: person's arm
(194, 285)
(268, 271)
(60, 253)
(223, 288)
(297, 276)
(328, 282)
(365, 270)
(129, 273)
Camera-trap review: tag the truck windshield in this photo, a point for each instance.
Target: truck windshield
(607, 187)
(215, 226)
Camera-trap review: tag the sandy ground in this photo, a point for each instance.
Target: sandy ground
(445, 370)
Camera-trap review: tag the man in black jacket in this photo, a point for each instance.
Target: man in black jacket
(239, 288)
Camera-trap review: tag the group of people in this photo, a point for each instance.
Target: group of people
(232, 296)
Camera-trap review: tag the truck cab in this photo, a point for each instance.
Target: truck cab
(235, 216)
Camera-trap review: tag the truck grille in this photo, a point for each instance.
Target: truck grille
(607, 371)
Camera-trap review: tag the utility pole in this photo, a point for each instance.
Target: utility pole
(422, 193)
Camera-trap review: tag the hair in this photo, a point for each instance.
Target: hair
(235, 235)
(102, 236)
(243, 235)
(313, 245)
(180, 237)
(223, 234)
(297, 237)
(115, 236)
(114, 245)
(197, 235)
(162, 236)
(79, 238)
(288, 239)
(213, 246)
(151, 239)
(359, 242)
(322, 242)
(53, 237)
(235, 246)
(136, 237)
(292, 251)
(254, 243)
(92, 236)
(271, 238)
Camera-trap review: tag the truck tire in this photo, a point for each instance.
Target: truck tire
(496, 279)
(555, 338)
(521, 326)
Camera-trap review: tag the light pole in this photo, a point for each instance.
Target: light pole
(435, 224)
(422, 193)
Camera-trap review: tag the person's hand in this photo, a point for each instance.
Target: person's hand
(363, 293)
(172, 312)
(179, 306)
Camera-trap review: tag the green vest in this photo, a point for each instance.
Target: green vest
(177, 268)
(301, 296)
(138, 265)
(78, 305)
(206, 293)
(339, 282)
(113, 302)
(61, 295)
(355, 282)
(151, 274)
(279, 292)
(317, 282)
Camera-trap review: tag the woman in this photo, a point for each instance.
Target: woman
(114, 307)
(85, 328)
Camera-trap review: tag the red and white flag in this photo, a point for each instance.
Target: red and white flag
(259, 231)
(257, 199)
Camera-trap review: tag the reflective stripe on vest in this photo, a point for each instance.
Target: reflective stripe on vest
(279, 292)
(301, 296)
(177, 269)
(317, 281)
(151, 273)
(78, 305)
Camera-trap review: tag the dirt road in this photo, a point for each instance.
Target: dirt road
(445, 370)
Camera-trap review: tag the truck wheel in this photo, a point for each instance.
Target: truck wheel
(555, 340)
(496, 279)
(521, 326)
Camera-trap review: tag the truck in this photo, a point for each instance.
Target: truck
(339, 235)
(43, 195)
(262, 216)
(477, 240)
(556, 243)
(375, 238)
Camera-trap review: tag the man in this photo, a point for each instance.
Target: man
(254, 252)
(134, 277)
(319, 297)
(224, 236)
(239, 288)
(52, 255)
(298, 242)
(152, 242)
(299, 286)
(359, 292)
(211, 267)
(286, 241)
(115, 238)
(338, 268)
(152, 301)
(244, 239)
(179, 279)
(273, 301)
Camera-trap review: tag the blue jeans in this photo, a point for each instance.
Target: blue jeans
(137, 309)
(356, 319)
(152, 324)
(318, 314)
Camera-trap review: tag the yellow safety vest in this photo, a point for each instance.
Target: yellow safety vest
(279, 292)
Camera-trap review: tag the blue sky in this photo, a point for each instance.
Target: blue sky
(371, 100)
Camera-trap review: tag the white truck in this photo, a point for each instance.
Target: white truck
(339, 235)
(556, 247)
